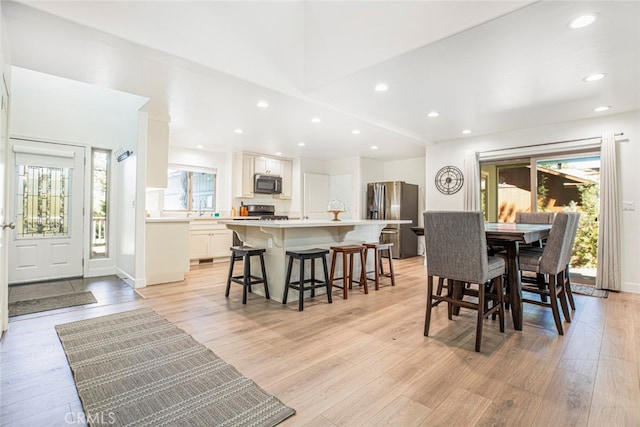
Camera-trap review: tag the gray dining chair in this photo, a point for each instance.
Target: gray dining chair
(456, 249)
(535, 218)
(550, 265)
(535, 251)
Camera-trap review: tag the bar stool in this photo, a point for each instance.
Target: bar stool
(380, 249)
(247, 280)
(302, 256)
(347, 268)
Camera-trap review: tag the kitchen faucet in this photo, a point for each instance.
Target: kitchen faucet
(200, 208)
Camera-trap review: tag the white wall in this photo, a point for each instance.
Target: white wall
(51, 109)
(452, 153)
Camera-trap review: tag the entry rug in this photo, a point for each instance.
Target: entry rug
(36, 305)
(138, 369)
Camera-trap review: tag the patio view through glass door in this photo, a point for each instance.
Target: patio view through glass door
(548, 184)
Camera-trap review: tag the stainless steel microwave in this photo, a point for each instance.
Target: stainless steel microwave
(267, 184)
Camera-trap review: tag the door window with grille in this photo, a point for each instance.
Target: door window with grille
(42, 205)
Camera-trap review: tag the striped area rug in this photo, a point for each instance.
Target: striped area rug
(138, 369)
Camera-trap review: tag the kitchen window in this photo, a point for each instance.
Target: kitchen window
(190, 190)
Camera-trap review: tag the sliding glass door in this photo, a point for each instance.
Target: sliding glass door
(555, 183)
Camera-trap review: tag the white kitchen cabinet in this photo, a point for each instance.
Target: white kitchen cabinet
(287, 184)
(244, 169)
(267, 166)
(199, 245)
(246, 165)
(209, 240)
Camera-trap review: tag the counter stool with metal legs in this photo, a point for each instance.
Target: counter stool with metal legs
(247, 280)
(380, 249)
(347, 268)
(312, 283)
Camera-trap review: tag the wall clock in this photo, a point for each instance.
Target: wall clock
(449, 180)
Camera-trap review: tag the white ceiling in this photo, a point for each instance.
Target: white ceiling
(485, 66)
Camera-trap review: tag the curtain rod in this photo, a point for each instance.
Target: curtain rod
(549, 143)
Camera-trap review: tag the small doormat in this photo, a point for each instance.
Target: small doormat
(138, 369)
(589, 290)
(36, 305)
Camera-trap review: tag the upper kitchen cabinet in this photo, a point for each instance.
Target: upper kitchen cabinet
(243, 171)
(247, 165)
(268, 166)
(157, 152)
(286, 167)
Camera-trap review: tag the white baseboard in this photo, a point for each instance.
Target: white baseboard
(631, 287)
(134, 283)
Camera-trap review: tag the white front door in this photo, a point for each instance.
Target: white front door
(47, 208)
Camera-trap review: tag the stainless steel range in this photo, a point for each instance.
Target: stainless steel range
(264, 212)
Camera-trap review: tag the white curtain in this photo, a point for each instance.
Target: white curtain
(609, 251)
(471, 188)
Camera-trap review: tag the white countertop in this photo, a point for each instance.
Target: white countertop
(168, 219)
(299, 223)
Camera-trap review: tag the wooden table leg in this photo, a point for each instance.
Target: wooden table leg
(457, 293)
(515, 286)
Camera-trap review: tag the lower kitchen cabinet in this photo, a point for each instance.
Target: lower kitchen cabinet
(209, 241)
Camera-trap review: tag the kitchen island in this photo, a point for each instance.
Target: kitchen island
(278, 237)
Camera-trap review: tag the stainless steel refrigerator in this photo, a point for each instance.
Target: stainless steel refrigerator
(395, 200)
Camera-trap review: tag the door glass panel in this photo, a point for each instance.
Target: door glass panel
(573, 184)
(42, 201)
(505, 190)
(99, 204)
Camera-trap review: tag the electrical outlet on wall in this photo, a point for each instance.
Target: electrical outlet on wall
(628, 206)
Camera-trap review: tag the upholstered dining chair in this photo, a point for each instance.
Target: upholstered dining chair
(550, 265)
(536, 251)
(535, 218)
(456, 249)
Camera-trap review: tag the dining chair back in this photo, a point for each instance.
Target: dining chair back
(456, 249)
(535, 217)
(551, 266)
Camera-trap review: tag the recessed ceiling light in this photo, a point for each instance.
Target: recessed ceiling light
(278, 153)
(316, 120)
(356, 131)
(433, 114)
(582, 21)
(238, 130)
(199, 146)
(301, 144)
(262, 104)
(466, 131)
(374, 147)
(601, 108)
(381, 87)
(595, 77)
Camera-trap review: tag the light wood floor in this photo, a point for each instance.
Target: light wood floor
(364, 360)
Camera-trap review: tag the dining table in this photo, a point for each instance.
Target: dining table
(510, 236)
